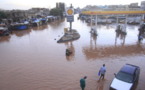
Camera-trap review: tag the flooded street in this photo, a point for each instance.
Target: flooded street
(33, 60)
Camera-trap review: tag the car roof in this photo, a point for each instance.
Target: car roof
(130, 69)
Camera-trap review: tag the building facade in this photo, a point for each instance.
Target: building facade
(61, 6)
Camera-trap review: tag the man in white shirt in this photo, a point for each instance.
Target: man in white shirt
(102, 72)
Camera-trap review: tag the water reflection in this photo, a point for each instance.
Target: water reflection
(70, 46)
(107, 26)
(40, 28)
(5, 39)
(21, 32)
(93, 41)
(56, 24)
(120, 36)
(93, 51)
(100, 85)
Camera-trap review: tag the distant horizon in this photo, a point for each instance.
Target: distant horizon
(28, 4)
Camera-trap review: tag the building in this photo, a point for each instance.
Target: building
(134, 4)
(142, 5)
(130, 7)
(16, 15)
(21, 15)
(61, 6)
(38, 12)
(134, 7)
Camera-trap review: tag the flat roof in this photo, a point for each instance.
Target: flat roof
(111, 12)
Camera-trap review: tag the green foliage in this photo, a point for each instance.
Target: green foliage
(2, 15)
(56, 12)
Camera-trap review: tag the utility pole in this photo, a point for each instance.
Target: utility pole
(71, 21)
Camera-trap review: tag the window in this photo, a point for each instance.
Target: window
(124, 77)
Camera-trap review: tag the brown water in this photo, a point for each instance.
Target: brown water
(33, 60)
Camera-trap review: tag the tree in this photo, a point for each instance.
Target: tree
(2, 15)
(56, 12)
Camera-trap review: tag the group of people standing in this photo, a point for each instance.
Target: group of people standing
(101, 73)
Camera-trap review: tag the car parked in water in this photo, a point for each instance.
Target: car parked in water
(126, 78)
(4, 30)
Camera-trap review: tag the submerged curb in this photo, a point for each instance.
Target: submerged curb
(69, 36)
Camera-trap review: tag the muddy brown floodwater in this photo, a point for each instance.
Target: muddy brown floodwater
(33, 60)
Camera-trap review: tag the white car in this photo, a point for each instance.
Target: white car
(126, 78)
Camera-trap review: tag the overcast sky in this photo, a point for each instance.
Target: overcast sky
(27, 4)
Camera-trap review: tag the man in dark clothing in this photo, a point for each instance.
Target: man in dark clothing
(83, 82)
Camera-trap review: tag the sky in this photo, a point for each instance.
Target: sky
(27, 4)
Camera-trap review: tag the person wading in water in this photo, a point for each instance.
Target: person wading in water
(102, 72)
(83, 82)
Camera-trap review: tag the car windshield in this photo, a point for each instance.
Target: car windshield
(124, 77)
